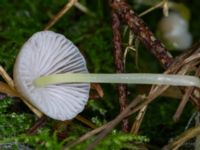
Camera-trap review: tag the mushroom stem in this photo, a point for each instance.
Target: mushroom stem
(131, 78)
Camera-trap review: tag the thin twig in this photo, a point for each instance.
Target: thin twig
(60, 14)
(7, 78)
(84, 9)
(98, 89)
(184, 100)
(37, 112)
(165, 8)
(118, 56)
(136, 125)
(38, 124)
(5, 88)
(182, 104)
(185, 136)
(86, 121)
(151, 9)
(65, 9)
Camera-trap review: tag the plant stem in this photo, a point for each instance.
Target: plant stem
(119, 65)
(131, 78)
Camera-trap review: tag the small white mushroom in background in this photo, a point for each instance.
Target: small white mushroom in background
(51, 73)
(173, 31)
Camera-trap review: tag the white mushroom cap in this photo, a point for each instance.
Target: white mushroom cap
(48, 53)
(174, 31)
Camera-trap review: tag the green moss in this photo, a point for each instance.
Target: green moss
(93, 35)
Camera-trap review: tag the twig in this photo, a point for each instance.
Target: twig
(65, 9)
(142, 32)
(5, 88)
(38, 124)
(182, 104)
(60, 14)
(85, 121)
(151, 9)
(98, 88)
(37, 112)
(118, 56)
(152, 96)
(185, 136)
(7, 78)
(165, 8)
(197, 139)
(136, 125)
(84, 9)
(184, 100)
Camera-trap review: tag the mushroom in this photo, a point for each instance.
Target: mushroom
(48, 53)
(51, 73)
(173, 30)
